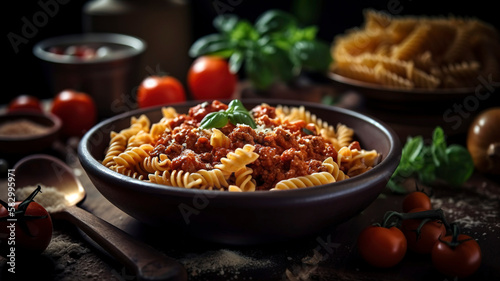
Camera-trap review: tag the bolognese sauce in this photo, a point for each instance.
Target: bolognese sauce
(286, 149)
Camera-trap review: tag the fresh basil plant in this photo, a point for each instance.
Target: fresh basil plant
(274, 48)
(453, 164)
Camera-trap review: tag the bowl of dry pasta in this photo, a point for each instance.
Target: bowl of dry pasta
(241, 172)
(415, 61)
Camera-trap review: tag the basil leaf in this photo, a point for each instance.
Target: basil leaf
(282, 43)
(214, 120)
(308, 34)
(427, 174)
(452, 164)
(210, 44)
(236, 113)
(312, 55)
(243, 31)
(438, 147)
(274, 21)
(225, 23)
(295, 34)
(307, 131)
(236, 105)
(412, 148)
(235, 61)
(459, 167)
(395, 187)
(239, 117)
(280, 63)
(258, 72)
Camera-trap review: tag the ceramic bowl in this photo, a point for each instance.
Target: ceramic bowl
(452, 109)
(247, 217)
(23, 144)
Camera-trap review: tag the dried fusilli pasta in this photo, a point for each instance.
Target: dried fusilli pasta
(418, 52)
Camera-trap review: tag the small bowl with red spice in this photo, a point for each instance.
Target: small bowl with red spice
(25, 132)
(208, 209)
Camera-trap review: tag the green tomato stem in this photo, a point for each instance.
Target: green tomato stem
(24, 205)
(455, 233)
(436, 214)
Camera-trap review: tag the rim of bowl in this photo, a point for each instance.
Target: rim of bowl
(137, 46)
(419, 91)
(383, 170)
(54, 128)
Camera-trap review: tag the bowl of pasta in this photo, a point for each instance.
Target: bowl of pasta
(410, 61)
(241, 172)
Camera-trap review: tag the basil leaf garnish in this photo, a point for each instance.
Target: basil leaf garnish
(214, 120)
(239, 117)
(236, 113)
(307, 131)
(236, 105)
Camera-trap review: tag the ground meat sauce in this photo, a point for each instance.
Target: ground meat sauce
(286, 149)
(199, 111)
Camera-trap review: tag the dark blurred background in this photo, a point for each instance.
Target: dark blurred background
(23, 74)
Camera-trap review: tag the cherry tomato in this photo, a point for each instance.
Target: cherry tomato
(25, 103)
(416, 199)
(459, 261)
(160, 90)
(429, 233)
(31, 232)
(382, 247)
(82, 51)
(209, 78)
(56, 50)
(77, 111)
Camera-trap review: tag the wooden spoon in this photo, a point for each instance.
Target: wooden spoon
(146, 262)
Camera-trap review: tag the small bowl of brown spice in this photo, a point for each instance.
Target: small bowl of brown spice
(27, 132)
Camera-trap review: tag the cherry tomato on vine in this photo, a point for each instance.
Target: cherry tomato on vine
(416, 199)
(381, 246)
(77, 111)
(31, 233)
(430, 232)
(209, 78)
(160, 90)
(460, 260)
(25, 103)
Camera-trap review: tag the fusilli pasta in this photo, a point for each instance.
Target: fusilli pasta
(417, 52)
(290, 148)
(305, 181)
